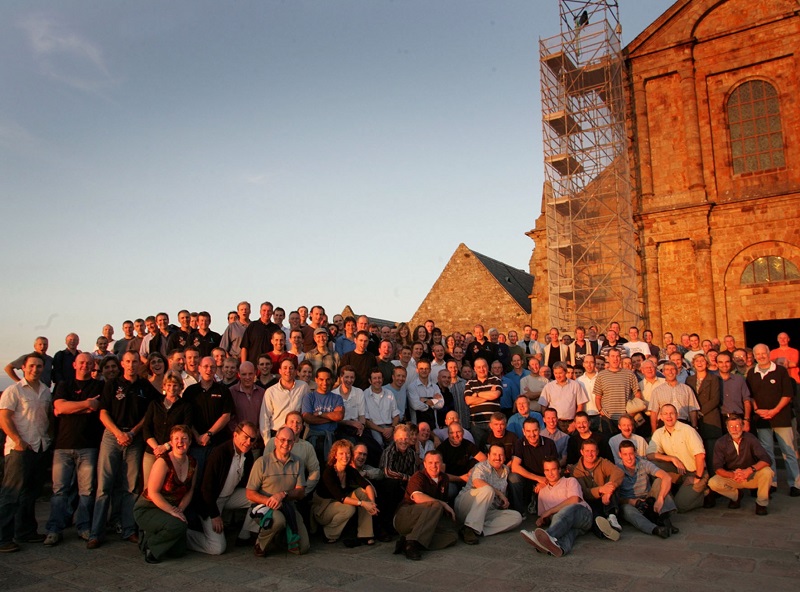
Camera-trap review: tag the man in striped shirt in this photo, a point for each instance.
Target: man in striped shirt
(613, 388)
(482, 394)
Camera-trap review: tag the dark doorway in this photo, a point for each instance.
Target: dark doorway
(766, 332)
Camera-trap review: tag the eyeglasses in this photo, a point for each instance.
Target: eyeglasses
(248, 436)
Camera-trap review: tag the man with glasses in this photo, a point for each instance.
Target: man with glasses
(224, 488)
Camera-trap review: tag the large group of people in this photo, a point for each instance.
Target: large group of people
(174, 437)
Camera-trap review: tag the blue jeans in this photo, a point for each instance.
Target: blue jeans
(68, 463)
(567, 524)
(23, 480)
(114, 460)
(785, 438)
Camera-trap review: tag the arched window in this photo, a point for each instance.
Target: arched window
(754, 121)
(769, 269)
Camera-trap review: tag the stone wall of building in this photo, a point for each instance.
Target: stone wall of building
(465, 294)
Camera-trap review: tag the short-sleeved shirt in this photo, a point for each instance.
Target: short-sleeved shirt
(315, 404)
(564, 398)
(126, 402)
(683, 442)
(459, 459)
(734, 393)
(32, 410)
(552, 495)
(78, 430)
(46, 375)
(615, 389)
(508, 441)
(270, 476)
(681, 396)
(485, 472)
(257, 339)
(515, 422)
(354, 403)
(636, 482)
(532, 457)
(482, 412)
(559, 438)
(380, 408)
(421, 482)
(208, 405)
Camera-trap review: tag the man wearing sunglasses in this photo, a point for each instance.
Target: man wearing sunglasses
(223, 488)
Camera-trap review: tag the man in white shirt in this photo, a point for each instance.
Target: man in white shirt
(25, 411)
(380, 408)
(281, 398)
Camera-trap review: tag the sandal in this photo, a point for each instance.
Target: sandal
(368, 541)
(331, 541)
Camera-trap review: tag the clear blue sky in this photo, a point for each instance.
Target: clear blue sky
(159, 155)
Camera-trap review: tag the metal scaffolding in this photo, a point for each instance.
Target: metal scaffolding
(591, 255)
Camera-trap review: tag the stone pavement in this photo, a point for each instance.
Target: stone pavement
(717, 549)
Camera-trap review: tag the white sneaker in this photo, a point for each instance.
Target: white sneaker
(605, 527)
(612, 520)
(531, 540)
(547, 542)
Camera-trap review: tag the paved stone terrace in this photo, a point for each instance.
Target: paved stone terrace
(717, 549)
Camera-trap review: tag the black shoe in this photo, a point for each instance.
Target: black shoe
(794, 492)
(400, 545)
(149, 557)
(34, 538)
(248, 542)
(761, 510)
(352, 543)
(470, 536)
(661, 531)
(668, 524)
(412, 551)
(710, 501)
(735, 505)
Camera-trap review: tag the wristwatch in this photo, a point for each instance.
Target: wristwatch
(209, 434)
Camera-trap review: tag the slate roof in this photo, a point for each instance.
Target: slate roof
(516, 282)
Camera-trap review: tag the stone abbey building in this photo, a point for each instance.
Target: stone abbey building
(713, 134)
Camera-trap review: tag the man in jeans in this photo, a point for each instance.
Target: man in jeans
(25, 411)
(76, 403)
(562, 511)
(772, 390)
(122, 409)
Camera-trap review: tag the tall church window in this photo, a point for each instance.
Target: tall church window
(769, 269)
(754, 122)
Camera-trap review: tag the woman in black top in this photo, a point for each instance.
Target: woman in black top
(162, 415)
(342, 492)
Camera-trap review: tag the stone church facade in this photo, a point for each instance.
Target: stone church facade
(714, 128)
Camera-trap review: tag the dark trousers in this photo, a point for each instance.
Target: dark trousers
(23, 481)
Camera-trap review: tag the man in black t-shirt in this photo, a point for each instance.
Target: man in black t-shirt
(122, 408)
(459, 457)
(527, 466)
(212, 406)
(361, 360)
(78, 429)
(257, 338)
(203, 338)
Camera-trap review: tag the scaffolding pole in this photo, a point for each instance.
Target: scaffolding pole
(591, 252)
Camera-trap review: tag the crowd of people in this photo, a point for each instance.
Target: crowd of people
(175, 437)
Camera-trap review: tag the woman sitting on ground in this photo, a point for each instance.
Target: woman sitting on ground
(159, 512)
(342, 492)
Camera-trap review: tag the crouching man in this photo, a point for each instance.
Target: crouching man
(424, 520)
(223, 488)
(741, 463)
(482, 505)
(563, 514)
(278, 481)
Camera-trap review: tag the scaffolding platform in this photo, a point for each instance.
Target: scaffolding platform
(592, 257)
